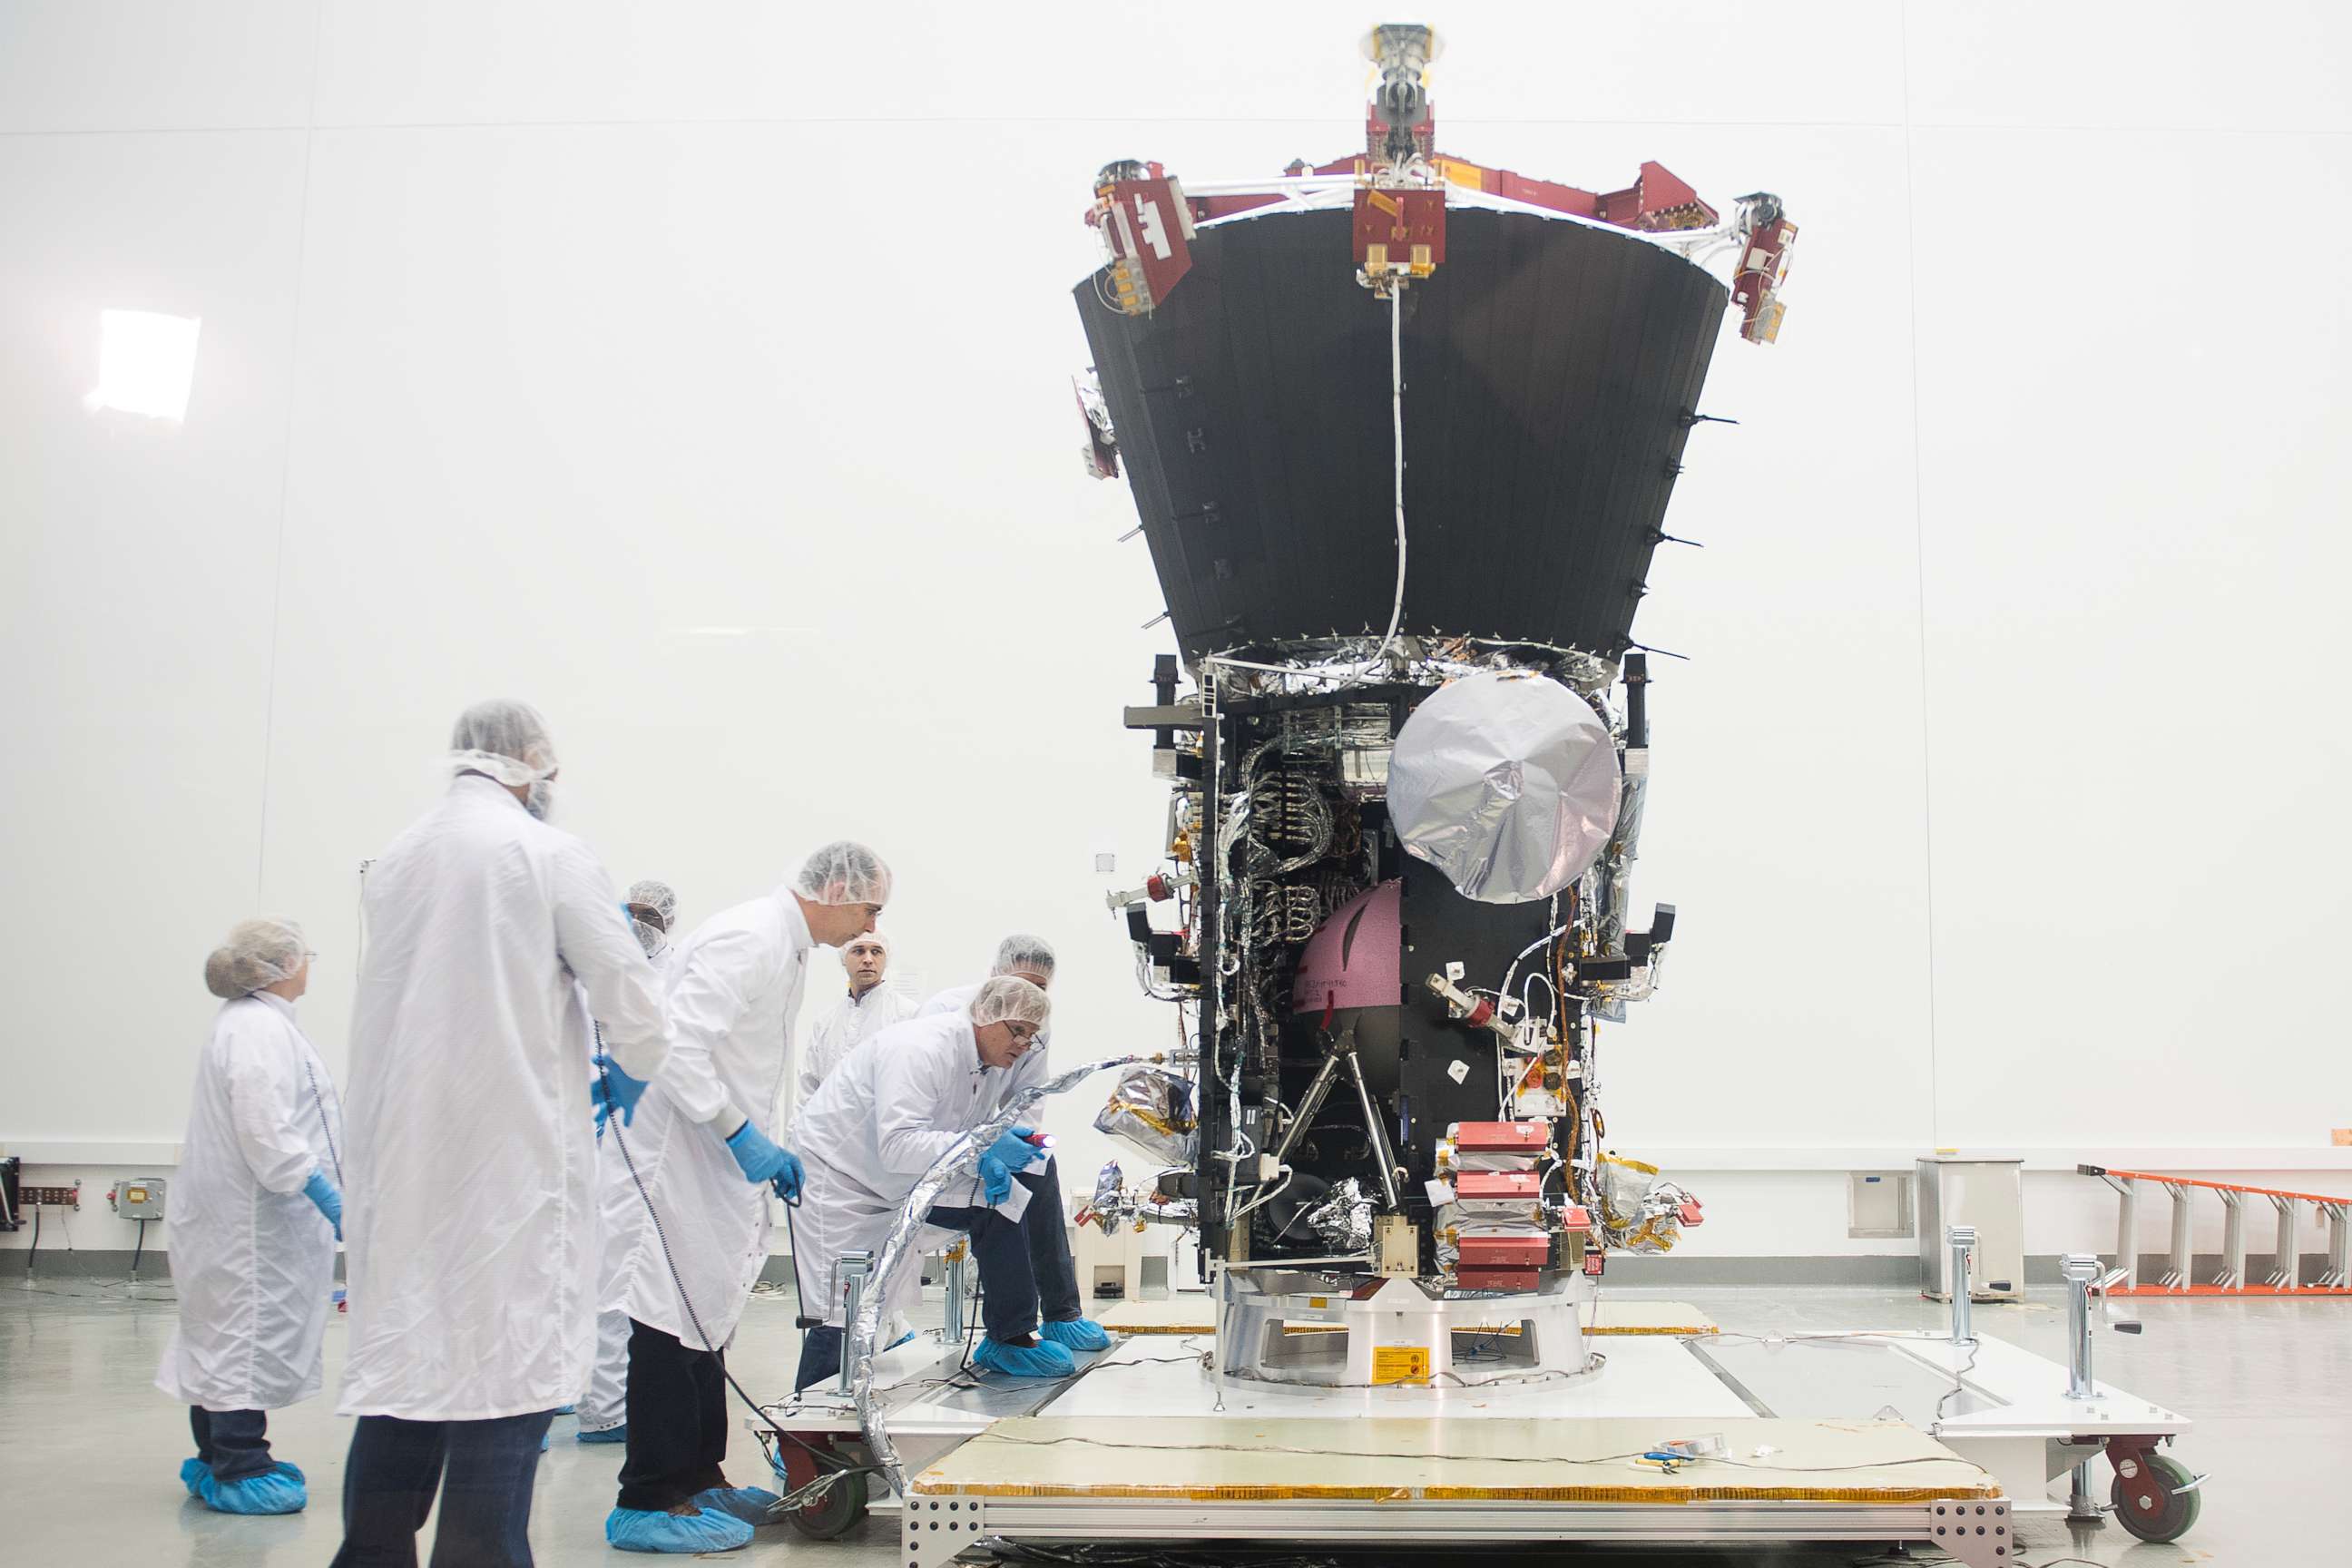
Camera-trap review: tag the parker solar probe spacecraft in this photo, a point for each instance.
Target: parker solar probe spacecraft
(1401, 430)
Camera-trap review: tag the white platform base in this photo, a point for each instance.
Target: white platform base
(2002, 1408)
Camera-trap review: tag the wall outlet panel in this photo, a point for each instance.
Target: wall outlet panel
(50, 1197)
(140, 1197)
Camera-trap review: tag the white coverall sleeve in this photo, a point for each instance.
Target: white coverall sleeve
(822, 1053)
(805, 1078)
(267, 1098)
(707, 999)
(603, 953)
(906, 1094)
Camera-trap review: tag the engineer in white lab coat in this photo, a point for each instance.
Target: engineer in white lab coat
(694, 1245)
(870, 1005)
(471, 1218)
(1029, 957)
(652, 908)
(253, 1223)
(875, 1128)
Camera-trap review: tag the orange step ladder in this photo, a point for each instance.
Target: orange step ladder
(2335, 1280)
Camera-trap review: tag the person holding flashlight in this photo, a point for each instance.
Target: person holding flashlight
(899, 1101)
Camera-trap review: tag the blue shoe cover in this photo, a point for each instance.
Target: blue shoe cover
(901, 1339)
(603, 1434)
(650, 1530)
(283, 1469)
(1046, 1360)
(567, 1410)
(268, 1492)
(191, 1472)
(1077, 1334)
(749, 1504)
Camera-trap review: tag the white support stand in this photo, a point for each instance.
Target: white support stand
(2338, 1274)
(2128, 1231)
(2285, 1277)
(2176, 1270)
(2288, 1263)
(2233, 1242)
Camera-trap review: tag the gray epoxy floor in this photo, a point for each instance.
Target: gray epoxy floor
(92, 1450)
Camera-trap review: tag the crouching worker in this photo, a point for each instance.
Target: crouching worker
(884, 1116)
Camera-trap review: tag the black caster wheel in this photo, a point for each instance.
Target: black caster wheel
(844, 1504)
(2160, 1511)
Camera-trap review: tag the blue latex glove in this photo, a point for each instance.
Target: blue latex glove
(614, 1090)
(321, 1192)
(995, 1181)
(762, 1161)
(1014, 1150)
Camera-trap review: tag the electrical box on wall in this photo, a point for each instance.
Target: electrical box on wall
(138, 1197)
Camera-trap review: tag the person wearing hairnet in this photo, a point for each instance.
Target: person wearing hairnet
(652, 908)
(653, 914)
(869, 1008)
(693, 1247)
(875, 1128)
(254, 1224)
(1028, 957)
(470, 1217)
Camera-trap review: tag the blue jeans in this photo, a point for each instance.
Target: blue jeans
(820, 1355)
(676, 1406)
(481, 1470)
(233, 1442)
(1025, 1269)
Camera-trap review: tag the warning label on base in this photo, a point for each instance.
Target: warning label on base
(1399, 1363)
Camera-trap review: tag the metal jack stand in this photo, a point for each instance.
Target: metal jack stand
(1963, 1240)
(958, 1265)
(851, 1275)
(2081, 1272)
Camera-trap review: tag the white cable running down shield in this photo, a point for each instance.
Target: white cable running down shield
(1396, 411)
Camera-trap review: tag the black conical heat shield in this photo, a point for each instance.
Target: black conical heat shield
(1549, 367)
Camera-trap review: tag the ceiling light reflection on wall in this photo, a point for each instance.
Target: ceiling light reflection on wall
(146, 362)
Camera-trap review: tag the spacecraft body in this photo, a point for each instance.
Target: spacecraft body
(1402, 433)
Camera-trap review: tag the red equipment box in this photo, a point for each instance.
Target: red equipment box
(1495, 1278)
(1502, 1137)
(1506, 1251)
(1498, 1185)
(1400, 230)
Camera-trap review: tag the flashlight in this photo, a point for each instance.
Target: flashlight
(1039, 1140)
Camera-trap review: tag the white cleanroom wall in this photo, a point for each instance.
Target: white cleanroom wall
(701, 373)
